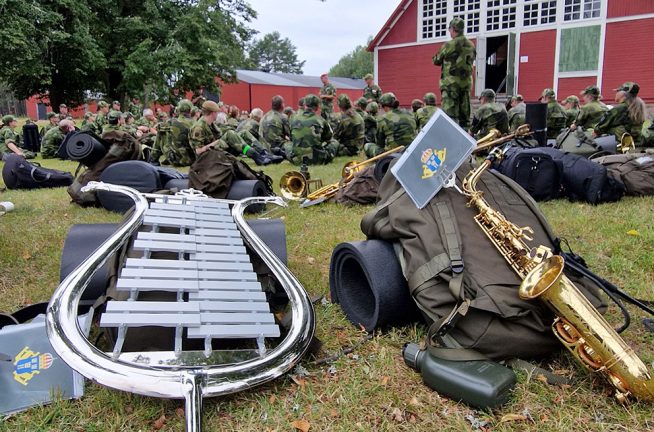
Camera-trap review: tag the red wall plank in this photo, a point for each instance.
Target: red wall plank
(574, 86)
(236, 94)
(632, 64)
(405, 29)
(538, 72)
(621, 8)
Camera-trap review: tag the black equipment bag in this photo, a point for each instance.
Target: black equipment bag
(536, 118)
(18, 173)
(533, 169)
(31, 138)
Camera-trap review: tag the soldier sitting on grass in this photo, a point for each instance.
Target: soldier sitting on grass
(350, 130)
(311, 136)
(53, 139)
(489, 115)
(395, 128)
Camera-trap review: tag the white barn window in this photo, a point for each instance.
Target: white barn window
(468, 11)
(539, 12)
(581, 9)
(500, 14)
(434, 19)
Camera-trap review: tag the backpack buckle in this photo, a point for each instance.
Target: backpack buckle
(456, 266)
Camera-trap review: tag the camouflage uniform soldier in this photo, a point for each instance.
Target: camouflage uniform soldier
(626, 117)
(456, 58)
(555, 113)
(396, 128)
(311, 135)
(490, 115)
(517, 113)
(135, 106)
(372, 92)
(571, 105)
(370, 122)
(101, 115)
(592, 110)
(53, 121)
(63, 111)
(9, 139)
(350, 130)
(252, 123)
(173, 138)
(424, 114)
(327, 95)
(115, 122)
(53, 139)
(274, 128)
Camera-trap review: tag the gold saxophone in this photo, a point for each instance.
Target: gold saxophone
(579, 326)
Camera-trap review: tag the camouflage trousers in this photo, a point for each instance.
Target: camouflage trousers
(177, 155)
(372, 149)
(347, 149)
(456, 104)
(250, 140)
(313, 155)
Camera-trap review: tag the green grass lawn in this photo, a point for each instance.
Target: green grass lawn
(369, 389)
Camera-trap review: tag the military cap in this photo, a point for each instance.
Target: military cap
(300, 102)
(8, 119)
(63, 105)
(517, 97)
(591, 90)
(372, 107)
(362, 102)
(311, 100)
(629, 87)
(184, 106)
(210, 106)
(368, 77)
(113, 116)
(102, 104)
(549, 93)
(323, 75)
(129, 115)
(387, 99)
(571, 98)
(457, 24)
(429, 98)
(195, 110)
(50, 115)
(488, 94)
(115, 102)
(344, 101)
(88, 115)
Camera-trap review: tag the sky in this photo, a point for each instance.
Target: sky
(322, 32)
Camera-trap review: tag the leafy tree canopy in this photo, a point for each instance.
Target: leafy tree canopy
(65, 48)
(356, 64)
(274, 54)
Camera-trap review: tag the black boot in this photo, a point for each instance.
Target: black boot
(275, 159)
(258, 158)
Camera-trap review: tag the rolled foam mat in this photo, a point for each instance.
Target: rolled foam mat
(82, 240)
(248, 188)
(84, 148)
(273, 234)
(365, 277)
(382, 166)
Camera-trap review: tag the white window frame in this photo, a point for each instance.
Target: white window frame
(434, 17)
(501, 9)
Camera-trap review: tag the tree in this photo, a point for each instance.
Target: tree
(65, 48)
(356, 64)
(274, 54)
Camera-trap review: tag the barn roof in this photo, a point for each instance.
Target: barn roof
(388, 25)
(294, 80)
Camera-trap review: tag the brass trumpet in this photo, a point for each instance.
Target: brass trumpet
(495, 138)
(295, 186)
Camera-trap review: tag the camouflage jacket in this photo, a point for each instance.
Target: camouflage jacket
(489, 116)
(370, 123)
(51, 142)
(423, 115)
(46, 128)
(100, 120)
(327, 105)
(202, 133)
(250, 125)
(397, 127)
(517, 116)
(372, 93)
(89, 126)
(456, 58)
(350, 129)
(556, 119)
(274, 128)
(231, 123)
(617, 121)
(571, 116)
(111, 128)
(309, 130)
(135, 109)
(7, 135)
(590, 114)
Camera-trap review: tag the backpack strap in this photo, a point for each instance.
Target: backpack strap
(47, 176)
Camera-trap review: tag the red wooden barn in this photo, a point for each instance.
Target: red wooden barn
(523, 46)
(256, 89)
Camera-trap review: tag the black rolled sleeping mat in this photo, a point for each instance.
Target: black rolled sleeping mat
(81, 241)
(85, 148)
(366, 279)
(382, 166)
(273, 234)
(241, 189)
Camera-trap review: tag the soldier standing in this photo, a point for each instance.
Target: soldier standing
(555, 113)
(424, 114)
(490, 115)
(372, 92)
(396, 128)
(456, 58)
(571, 105)
(327, 95)
(517, 113)
(592, 110)
(312, 136)
(350, 130)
